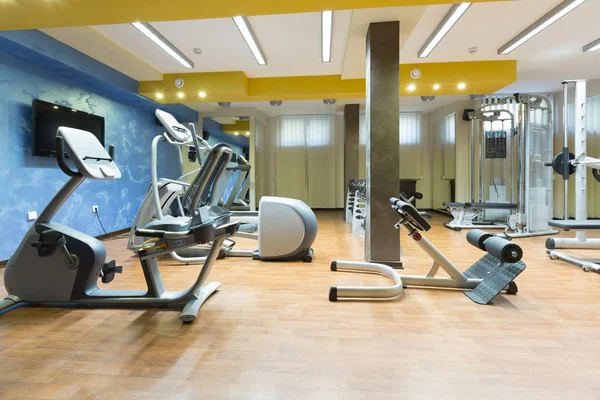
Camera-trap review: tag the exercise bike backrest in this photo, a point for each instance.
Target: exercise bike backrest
(410, 214)
(87, 153)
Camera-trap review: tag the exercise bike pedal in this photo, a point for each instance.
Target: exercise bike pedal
(109, 269)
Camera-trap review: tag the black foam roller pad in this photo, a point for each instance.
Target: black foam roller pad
(477, 238)
(504, 250)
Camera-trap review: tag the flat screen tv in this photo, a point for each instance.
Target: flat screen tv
(48, 117)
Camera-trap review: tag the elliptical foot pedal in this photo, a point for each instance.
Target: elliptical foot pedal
(109, 269)
(496, 275)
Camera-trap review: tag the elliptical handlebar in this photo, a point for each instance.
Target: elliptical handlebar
(197, 140)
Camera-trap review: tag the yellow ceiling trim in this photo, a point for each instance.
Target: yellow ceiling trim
(36, 14)
(239, 126)
(478, 77)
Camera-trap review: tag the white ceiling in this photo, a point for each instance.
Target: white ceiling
(291, 43)
(356, 50)
(292, 46)
(550, 57)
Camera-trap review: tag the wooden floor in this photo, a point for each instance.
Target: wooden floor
(271, 333)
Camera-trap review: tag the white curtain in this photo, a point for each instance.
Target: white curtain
(449, 143)
(592, 150)
(306, 160)
(409, 142)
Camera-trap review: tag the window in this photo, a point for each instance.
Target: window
(410, 129)
(313, 131)
(450, 129)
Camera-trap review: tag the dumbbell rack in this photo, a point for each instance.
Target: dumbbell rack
(356, 206)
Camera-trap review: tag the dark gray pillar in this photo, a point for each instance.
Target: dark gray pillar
(382, 241)
(351, 144)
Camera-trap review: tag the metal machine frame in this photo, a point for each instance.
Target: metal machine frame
(482, 282)
(579, 163)
(520, 223)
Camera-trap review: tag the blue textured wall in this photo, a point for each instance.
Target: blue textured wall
(28, 182)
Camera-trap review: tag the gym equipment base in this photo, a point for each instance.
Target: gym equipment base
(516, 235)
(484, 280)
(586, 265)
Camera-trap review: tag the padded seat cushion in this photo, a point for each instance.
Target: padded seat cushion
(453, 204)
(493, 206)
(587, 225)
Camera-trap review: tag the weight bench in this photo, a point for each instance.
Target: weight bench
(484, 280)
(466, 215)
(574, 243)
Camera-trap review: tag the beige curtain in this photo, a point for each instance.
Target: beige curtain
(306, 160)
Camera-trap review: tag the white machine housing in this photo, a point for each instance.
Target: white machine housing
(298, 235)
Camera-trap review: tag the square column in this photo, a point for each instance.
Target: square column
(351, 144)
(382, 241)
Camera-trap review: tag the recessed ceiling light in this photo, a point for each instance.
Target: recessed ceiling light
(595, 45)
(181, 95)
(276, 103)
(236, 133)
(411, 87)
(436, 87)
(159, 96)
(248, 35)
(456, 11)
(202, 94)
(74, 110)
(163, 43)
(247, 133)
(55, 107)
(462, 86)
(548, 19)
(326, 35)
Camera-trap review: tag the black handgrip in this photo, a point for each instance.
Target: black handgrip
(596, 174)
(111, 151)
(60, 157)
(566, 164)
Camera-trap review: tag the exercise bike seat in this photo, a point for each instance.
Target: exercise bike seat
(411, 213)
(493, 206)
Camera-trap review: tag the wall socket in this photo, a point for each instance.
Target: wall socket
(31, 215)
(95, 209)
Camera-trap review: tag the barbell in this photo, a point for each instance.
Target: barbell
(565, 164)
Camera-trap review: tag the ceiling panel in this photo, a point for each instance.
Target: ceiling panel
(551, 56)
(291, 43)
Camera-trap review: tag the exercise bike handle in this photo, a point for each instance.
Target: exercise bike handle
(60, 157)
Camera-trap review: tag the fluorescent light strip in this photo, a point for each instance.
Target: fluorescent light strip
(326, 35)
(595, 45)
(551, 17)
(246, 31)
(443, 28)
(163, 43)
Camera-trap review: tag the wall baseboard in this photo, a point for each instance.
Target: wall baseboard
(109, 235)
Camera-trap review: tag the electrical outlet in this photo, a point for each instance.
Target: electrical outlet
(31, 215)
(95, 209)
